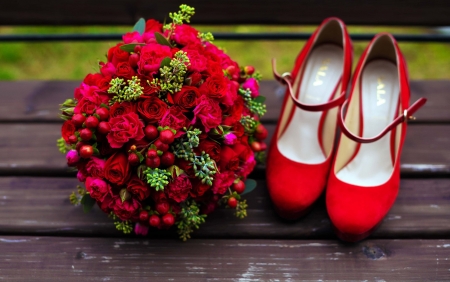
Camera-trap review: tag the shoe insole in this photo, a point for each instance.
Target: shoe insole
(299, 142)
(372, 164)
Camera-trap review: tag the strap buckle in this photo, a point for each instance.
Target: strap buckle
(407, 117)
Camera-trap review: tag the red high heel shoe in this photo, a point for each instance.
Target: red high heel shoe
(365, 176)
(301, 148)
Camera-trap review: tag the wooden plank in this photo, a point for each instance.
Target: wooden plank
(30, 149)
(121, 12)
(40, 206)
(37, 101)
(110, 259)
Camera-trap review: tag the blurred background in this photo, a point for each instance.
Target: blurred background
(73, 60)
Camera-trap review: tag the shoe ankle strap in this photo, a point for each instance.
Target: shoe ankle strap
(407, 115)
(286, 79)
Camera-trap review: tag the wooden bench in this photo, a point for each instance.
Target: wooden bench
(44, 238)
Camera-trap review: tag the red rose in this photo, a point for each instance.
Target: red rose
(185, 34)
(151, 56)
(186, 166)
(153, 25)
(178, 189)
(175, 119)
(97, 188)
(215, 87)
(117, 169)
(186, 98)
(117, 55)
(222, 181)
(90, 79)
(106, 204)
(198, 61)
(124, 70)
(89, 99)
(151, 109)
(234, 112)
(210, 147)
(103, 83)
(127, 209)
(208, 112)
(138, 188)
(119, 109)
(123, 129)
(67, 130)
(196, 78)
(229, 160)
(242, 150)
(198, 188)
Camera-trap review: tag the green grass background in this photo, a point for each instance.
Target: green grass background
(73, 60)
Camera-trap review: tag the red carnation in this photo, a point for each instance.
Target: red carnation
(153, 25)
(229, 160)
(222, 181)
(210, 147)
(117, 169)
(185, 34)
(186, 98)
(123, 129)
(151, 109)
(127, 209)
(117, 55)
(179, 188)
(198, 61)
(137, 187)
(174, 119)
(96, 167)
(208, 112)
(151, 56)
(67, 130)
(198, 188)
(97, 188)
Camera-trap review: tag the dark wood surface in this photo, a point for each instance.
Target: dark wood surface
(126, 12)
(112, 259)
(44, 238)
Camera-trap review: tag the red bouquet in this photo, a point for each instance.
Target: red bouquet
(166, 131)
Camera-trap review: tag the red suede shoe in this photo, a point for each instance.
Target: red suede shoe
(299, 156)
(365, 176)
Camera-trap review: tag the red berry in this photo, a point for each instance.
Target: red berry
(103, 113)
(249, 70)
(166, 136)
(154, 220)
(133, 60)
(235, 77)
(231, 70)
(91, 122)
(161, 146)
(232, 202)
(151, 132)
(162, 207)
(133, 159)
(73, 139)
(236, 84)
(79, 145)
(168, 219)
(86, 151)
(152, 153)
(143, 216)
(137, 48)
(104, 127)
(86, 134)
(167, 159)
(78, 119)
(153, 162)
(256, 146)
(239, 187)
(260, 132)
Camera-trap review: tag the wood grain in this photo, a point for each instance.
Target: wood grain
(112, 259)
(40, 206)
(426, 150)
(125, 12)
(37, 101)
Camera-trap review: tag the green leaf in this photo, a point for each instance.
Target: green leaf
(162, 40)
(140, 26)
(260, 99)
(165, 62)
(250, 185)
(87, 202)
(130, 47)
(140, 156)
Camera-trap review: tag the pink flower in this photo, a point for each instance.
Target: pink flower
(151, 57)
(127, 209)
(97, 188)
(132, 37)
(252, 85)
(95, 167)
(81, 177)
(248, 166)
(140, 229)
(231, 94)
(222, 181)
(72, 158)
(90, 99)
(175, 119)
(108, 69)
(208, 112)
(123, 129)
(178, 189)
(230, 138)
(185, 34)
(198, 60)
